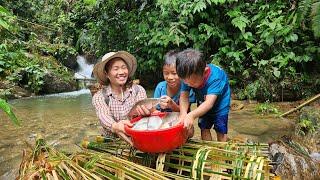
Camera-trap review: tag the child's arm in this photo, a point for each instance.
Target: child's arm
(200, 111)
(184, 103)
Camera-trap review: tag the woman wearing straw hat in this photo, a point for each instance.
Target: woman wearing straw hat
(118, 95)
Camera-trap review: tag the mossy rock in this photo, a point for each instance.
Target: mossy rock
(309, 121)
(54, 84)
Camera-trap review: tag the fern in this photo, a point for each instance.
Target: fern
(3, 22)
(303, 10)
(315, 17)
(311, 9)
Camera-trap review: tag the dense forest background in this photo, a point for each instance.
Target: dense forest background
(270, 49)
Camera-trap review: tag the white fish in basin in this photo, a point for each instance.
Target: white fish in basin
(156, 122)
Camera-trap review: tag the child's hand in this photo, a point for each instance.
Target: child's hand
(187, 120)
(165, 102)
(189, 132)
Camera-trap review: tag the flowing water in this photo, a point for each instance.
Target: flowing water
(65, 119)
(85, 69)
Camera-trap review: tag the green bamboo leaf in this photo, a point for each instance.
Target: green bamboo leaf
(4, 10)
(4, 24)
(90, 2)
(7, 109)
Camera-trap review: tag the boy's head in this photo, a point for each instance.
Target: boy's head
(190, 67)
(169, 69)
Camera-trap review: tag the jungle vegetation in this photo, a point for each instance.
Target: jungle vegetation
(270, 49)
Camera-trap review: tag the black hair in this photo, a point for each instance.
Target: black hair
(190, 61)
(170, 58)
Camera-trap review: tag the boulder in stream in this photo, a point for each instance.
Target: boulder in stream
(55, 84)
(292, 160)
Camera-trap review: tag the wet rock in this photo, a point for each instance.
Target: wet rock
(90, 124)
(9, 174)
(55, 84)
(33, 135)
(315, 156)
(236, 105)
(54, 143)
(91, 58)
(293, 162)
(19, 92)
(65, 136)
(12, 91)
(67, 56)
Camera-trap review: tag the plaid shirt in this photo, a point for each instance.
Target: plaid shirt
(117, 108)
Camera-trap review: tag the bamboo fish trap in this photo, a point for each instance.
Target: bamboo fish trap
(216, 163)
(44, 162)
(111, 167)
(199, 159)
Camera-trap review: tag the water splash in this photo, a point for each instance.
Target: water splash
(85, 69)
(69, 94)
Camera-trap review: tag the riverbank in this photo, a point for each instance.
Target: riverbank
(66, 119)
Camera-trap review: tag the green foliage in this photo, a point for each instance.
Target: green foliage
(306, 126)
(266, 108)
(260, 44)
(3, 23)
(315, 18)
(30, 77)
(308, 122)
(7, 109)
(23, 53)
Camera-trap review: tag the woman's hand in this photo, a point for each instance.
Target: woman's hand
(118, 128)
(143, 111)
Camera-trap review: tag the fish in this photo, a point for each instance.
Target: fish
(148, 123)
(171, 119)
(156, 122)
(142, 124)
(148, 103)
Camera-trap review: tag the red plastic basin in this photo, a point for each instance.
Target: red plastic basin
(157, 141)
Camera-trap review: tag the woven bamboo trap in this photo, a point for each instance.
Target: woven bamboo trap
(117, 160)
(44, 162)
(197, 159)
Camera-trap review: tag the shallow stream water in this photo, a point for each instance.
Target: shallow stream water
(65, 119)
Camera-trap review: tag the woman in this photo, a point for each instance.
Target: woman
(118, 94)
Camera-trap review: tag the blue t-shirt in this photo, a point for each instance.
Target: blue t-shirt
(161, 90)
(217, 84)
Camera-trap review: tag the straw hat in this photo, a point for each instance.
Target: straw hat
(99, 68)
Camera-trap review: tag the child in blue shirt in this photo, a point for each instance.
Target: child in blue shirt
(169, 90)
(211, 86)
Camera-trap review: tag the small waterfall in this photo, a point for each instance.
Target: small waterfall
(84, 75)
(85, 69)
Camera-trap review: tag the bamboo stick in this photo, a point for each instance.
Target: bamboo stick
(301, 106)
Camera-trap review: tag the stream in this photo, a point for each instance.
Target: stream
(65, 119)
